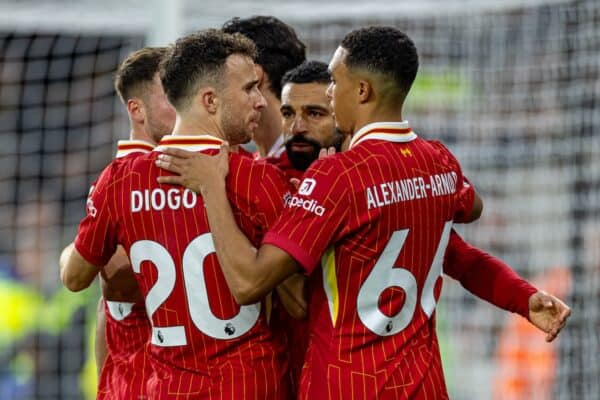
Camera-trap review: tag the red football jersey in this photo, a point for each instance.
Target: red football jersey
(283, 163)
(378, 217)
(125, 370)
(203, 344)
(293, 332)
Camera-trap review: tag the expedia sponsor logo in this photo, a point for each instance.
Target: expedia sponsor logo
(309, 205)
(307, 186)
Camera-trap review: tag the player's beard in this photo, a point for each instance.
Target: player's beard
(301, 160)
(157, 129)
(234, 127)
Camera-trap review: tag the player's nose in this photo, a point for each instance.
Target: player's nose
(299, 126)
(260, 101)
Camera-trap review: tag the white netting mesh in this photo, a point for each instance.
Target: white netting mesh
(59, 119)
(513, 90)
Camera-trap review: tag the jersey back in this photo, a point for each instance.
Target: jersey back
(373, 224)
(202, 342)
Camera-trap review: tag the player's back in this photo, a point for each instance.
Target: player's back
(203, 344)
(380, 215)
(127, 329)
(389, 272)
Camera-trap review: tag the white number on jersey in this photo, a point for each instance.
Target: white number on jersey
(384, 275)
(196, 292)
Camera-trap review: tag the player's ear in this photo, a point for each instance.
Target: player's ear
(365, 90)
(136, 110)
(209, 99)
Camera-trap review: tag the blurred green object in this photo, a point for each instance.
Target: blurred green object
(26, 315)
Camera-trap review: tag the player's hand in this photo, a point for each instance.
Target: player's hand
(326, 152)
(196, 171)
(295, 182)
(548, 313)
(118, 281)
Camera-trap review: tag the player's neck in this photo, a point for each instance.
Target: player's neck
(270, 125)
(374, 115)
(197, 127)
(140, 134)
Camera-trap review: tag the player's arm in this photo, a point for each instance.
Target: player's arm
(100, 346)
(250, 273)
(76, 273)
(477, 208)
(118, 281)
(292, 294)
(490, 279)
(469, 205)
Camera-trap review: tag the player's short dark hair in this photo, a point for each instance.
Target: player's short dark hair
(383, 50)
(307, 72)
(279, 48)
(137, 70)
(197, 58)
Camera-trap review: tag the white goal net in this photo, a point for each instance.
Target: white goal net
(512, 88)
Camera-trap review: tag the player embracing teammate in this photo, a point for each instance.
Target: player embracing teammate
(369, 226)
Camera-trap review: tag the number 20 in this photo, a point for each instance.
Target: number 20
(196, 293)
(384, 275)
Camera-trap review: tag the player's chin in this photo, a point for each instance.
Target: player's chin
(245, 137)
(254, 122)
(341, 128)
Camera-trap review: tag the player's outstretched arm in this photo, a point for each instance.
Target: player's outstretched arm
(250, 273)
(548, 313)
(76, 273)
(490, 279)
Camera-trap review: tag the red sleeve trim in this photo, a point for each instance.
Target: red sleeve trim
(306, 261)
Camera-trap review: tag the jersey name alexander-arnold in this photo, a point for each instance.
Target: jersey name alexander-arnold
(157, 199)
(411, 189)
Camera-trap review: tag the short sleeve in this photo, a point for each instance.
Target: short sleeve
(313, 217)
(465, 191)
(96, 238)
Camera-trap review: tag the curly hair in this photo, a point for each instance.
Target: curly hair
(383, 50)
(199, 58)
(279, 48)
(307, 72)
(138, 70)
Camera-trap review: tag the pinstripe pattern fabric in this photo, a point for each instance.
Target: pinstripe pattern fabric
(126, 368)
(353, 204)
(202, 365)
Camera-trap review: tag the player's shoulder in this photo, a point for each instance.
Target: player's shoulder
(436, 144)
(443, 153)
(112, 171)
(119, 168)
(255, 169)
(333, 166)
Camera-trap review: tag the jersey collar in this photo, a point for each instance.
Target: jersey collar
(126, 147)
(398, 132)
(277, 148)
(191, 143)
